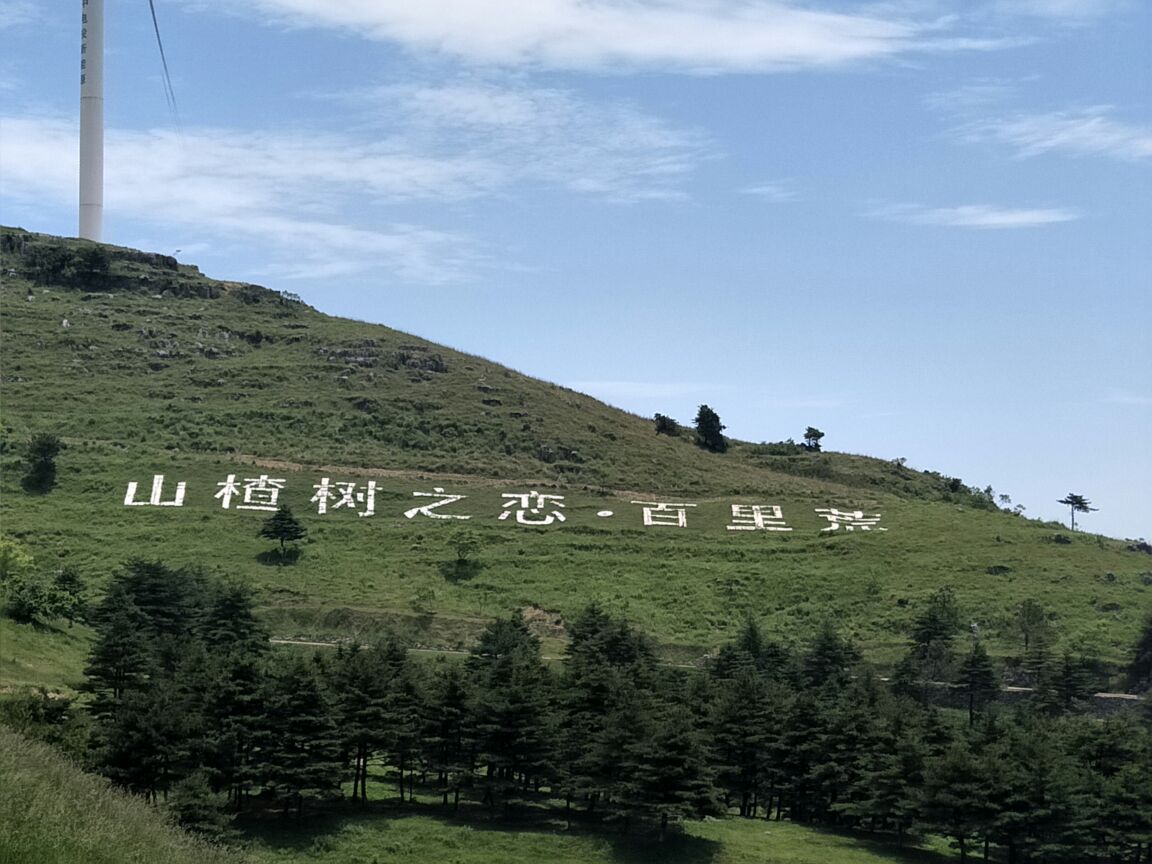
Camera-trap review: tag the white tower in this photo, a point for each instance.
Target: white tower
(92, 120)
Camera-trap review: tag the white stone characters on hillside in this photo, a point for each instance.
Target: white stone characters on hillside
(849, 520)
(757, 517)
(665, 513)
(345, 495)
(156, 498)
(529, 508)
(257, 493)
(426, 509)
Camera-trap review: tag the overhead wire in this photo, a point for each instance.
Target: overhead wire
(169, 91)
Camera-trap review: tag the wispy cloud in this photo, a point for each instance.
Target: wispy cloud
(285, 193)
(15, 13)
(698, 36)
(1117, 397)
(779, 192)
(1087, 132)
(311, 193)
(1065, 11)
(546, 136)
(984, 216)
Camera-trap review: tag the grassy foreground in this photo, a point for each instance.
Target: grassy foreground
(420, 839)
(51, 813)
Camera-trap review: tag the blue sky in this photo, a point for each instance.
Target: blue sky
(920, 225)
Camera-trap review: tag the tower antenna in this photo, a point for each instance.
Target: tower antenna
(92, 120)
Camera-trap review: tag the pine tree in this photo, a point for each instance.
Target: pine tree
(710, 431)
(283, 527)
(511, 709)
(977, 680)
(743, 718)
(302, 755)
(120, 659)
(954, 797)
(672, 777)
(448, 740)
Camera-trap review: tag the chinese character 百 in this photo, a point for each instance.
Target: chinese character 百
(257, 493)
(345, 495)
(664, 513)
(850, 520)
(756, 517)
(426, 509)
(154, 500)
(529, 506)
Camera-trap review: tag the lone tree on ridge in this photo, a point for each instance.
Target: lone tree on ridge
(709, 429)
(1076, 504)
(812, 437)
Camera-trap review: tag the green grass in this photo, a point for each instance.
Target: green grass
(51, 813)
(426, 839)
(163, 373)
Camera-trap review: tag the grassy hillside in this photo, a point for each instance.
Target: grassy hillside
(145, 367)
(51, 813)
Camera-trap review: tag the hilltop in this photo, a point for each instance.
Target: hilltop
(144, 367)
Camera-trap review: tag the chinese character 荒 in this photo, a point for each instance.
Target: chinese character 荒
(850, 520)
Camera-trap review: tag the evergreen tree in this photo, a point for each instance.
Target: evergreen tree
(511, 709)
(361, 679)
(302, 755)
(954, 797)
(829, 659)
(448, 740)
(282, 526)
(672, 778)
(743, 721)
(1139, 673)
(120, 659)
(40, 456)
(977, 680)
(709, 430)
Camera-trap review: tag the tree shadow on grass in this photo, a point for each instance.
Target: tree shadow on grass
(279, 557)
(460, 569)
(316, 833)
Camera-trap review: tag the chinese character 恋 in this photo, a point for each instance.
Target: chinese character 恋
(755, 517)
(529, 506)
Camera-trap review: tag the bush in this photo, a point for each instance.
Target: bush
(666, 426)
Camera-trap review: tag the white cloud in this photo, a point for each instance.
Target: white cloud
(312, 196)
(779, 192)
(701, 36)
(545, 136)
(975, 216)
(286, 193)
(15, 13)
(1061, 10)
(1088, 132)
